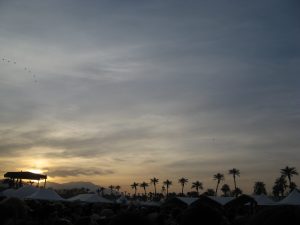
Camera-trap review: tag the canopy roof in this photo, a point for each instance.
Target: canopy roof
(263, 200)
(25, 191)
(46, 194)
(91, 198)
(221, 200)
(292, 199)
(187, 200)
(25, 175)
(8, 192)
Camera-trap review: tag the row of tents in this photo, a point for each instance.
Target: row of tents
(30, 192)
(261, 200)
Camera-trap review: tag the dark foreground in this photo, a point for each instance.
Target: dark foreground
(32, 212)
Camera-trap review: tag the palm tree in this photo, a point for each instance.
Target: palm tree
(154, 181)
(236, 192)
(111, 187)
(118, 187)
(134, 186)
(163, 189)
(280, 185)
(259, 188)
(144, 185)
(167, 183)
(218, 177)
(182, 181)
(234, 172)
(197, 185)
(102, 190)
(225, 189)
(210, 192)
(289, 172)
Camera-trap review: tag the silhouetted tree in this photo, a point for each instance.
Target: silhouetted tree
(163, 189)
(280, 185)
(259, 188)
(226, 190)
(234, 172)
(111, 187)
(118, 187)
(154, 181)
(293, 185)
(144, 185)
(182, 181)
(167, 184)
(218, 177)
(134, 186)
(289, 172)
(102, 190)
(236, 192)
(210, 192)
(197, 185)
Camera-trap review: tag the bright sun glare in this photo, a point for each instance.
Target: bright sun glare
(36, 171)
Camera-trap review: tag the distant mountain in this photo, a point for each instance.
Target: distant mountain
(71, 185)
(80, 184)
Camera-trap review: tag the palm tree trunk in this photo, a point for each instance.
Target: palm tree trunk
(167, 190)
(155, 190)
(182, 189)
(135, 191)
(217, 188)
(234, 182)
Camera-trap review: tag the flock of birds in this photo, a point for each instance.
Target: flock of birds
(27, 69)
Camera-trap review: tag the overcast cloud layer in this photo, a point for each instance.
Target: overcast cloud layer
(119, 91)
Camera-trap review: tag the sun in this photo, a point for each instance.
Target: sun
(38, 171)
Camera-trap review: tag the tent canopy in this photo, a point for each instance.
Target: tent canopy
(91, 198)
(46, 194)
(25, 191)
(292, 199)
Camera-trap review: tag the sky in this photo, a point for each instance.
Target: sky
(115, 91)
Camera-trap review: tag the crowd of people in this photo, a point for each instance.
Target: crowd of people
(15, 211)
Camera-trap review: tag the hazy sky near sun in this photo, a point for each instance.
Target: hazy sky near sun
(128, 90)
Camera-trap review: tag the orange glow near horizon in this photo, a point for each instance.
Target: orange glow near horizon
(38, 171)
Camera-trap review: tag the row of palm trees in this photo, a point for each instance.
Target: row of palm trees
(166, 185)
(219, 177)
(183, 181)
(259, 187)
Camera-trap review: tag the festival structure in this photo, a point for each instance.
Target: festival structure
(16, 178)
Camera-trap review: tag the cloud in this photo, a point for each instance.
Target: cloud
(151, 82)
(75, 172)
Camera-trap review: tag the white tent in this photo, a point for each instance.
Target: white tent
(8, 192)
(263, 200)
(292, 199)
(150, 203)
(46, 194)
(122, 200)
(187, 200)
(91, 198)
(221, 200)
(25, 191)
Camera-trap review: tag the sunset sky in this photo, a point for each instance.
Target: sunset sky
(119, 91)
